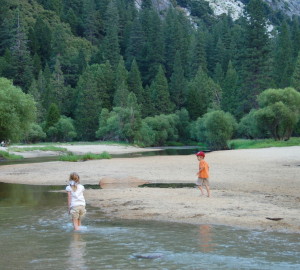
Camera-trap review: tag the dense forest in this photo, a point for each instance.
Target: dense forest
(109, 70)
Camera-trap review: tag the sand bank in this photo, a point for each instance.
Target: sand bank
(247, 186)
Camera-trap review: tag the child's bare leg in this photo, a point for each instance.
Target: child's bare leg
(76, 224)
(201, 189)
(208, 190)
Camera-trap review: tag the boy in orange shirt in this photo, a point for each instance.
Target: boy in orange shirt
(203, 173)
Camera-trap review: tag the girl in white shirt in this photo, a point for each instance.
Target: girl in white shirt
(76, 201)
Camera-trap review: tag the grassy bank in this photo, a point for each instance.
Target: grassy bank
(37, 148)
(264, 143)
(7, 155)
(87, 156)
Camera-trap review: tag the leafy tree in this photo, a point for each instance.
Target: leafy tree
(248, 127)
(279, 112)
(122, 123)
(164, 128)
(63, 130)
(35, 134)
(215, 128)
(17, 111)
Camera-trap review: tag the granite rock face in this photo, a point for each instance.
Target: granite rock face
(233, 7)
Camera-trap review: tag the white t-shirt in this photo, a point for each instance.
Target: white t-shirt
(77, 197)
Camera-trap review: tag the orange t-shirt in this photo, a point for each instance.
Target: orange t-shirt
(204, 173)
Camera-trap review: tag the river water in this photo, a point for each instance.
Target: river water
(36, 233)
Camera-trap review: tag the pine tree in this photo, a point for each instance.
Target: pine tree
(111, 46)
(197, 58)
(255, 59)
(295, 80)
(91, 21)
(229, 90)
(88, 104)
(202, 94)
(121, 95)
(160, 93)
(53, 116)
(135, 83)
(178, 84)
(58, 93)
(43, 36)
(283, 63)
(21, 61)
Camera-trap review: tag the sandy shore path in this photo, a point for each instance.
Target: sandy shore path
(247, 186)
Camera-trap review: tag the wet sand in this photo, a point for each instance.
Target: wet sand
(249, 188)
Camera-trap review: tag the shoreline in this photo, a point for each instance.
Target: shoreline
(247, 187)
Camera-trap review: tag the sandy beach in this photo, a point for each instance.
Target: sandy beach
(249, 188)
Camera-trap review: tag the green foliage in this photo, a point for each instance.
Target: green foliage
(35, 134)
(53, 116)
(63, 130)
(263, 143)
(215, 129)
(279, 113)
(164, 128)
(17, 111)
(88, 156)
(248, 127)
(7, 155)
(122, 123)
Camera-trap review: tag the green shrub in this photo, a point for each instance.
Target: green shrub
(215, 129)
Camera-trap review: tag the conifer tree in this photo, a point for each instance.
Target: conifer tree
(197, 56)
(88, 103)
(121, 95)
(283, 64)
(58, 93)
(202, 94)
(21, 62)
(160, 93)
(255, 61)
(178, 84)
(43, 36)
(295, 80)
(111, 46)
(229, 91)
(53, 116)
(91, 21)
(135, 83)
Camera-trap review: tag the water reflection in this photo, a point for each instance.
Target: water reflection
(77, 252)
(205, 238)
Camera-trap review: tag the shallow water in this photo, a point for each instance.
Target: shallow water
(185, 150)
(36, 233)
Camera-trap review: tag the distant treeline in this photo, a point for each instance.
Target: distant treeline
(107, 70)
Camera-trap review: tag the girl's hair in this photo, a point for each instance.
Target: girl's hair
(74, 177)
